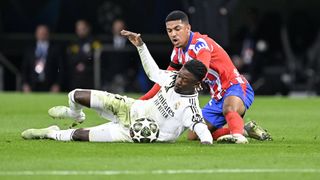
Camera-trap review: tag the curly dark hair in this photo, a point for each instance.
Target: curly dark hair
(197, 68)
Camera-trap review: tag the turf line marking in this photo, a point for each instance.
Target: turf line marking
(132, 172)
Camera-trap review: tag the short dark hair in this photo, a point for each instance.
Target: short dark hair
(197, 68)
(177, 15)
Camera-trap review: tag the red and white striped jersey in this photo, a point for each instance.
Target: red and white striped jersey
(221, 71)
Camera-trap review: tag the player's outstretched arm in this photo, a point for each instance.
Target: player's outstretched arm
(149, 65)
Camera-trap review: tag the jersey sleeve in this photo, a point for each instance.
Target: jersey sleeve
(194, 121)
(191, 116)
(174, 63)
(201, 50)
(149, 65)
(174, 56)
(204, 56)
(173, 66)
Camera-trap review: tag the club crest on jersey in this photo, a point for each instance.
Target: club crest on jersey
(200, 44)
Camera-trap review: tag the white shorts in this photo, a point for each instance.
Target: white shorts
(109, 132)
(112, 106)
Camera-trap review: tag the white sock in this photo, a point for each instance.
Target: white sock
(74, 106)
(61, 135)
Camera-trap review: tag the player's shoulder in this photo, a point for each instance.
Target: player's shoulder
(200, 42)
(190, 100)
(201, 37)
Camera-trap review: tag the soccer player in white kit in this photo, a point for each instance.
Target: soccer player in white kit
(175, 107)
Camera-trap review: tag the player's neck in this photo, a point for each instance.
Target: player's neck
(186, 47)
(186, 92)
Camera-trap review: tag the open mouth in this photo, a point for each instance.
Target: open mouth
(175, 41)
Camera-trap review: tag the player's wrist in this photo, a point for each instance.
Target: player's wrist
(140, 44)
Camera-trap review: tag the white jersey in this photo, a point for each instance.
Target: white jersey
(173, 112)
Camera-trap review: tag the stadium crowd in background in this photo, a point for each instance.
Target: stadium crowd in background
(277, 46)
(80, 57)
(43, 66)
(115, 61)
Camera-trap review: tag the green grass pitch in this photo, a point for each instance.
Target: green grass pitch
(293, 154)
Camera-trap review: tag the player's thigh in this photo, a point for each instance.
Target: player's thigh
(233, 104)
(212, 113)
(239, 98)
(109, 132)
(112, 103)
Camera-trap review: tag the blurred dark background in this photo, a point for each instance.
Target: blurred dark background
(275, 43)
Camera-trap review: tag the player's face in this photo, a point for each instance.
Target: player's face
(185, 82)
(178, 33)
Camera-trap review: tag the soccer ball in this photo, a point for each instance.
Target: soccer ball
(144, 130)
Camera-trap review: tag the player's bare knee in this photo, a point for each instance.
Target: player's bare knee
(74, 94)
(82, 97)
(228, 108)
(80, 135)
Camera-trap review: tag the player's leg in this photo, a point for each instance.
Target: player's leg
(233, 108)
(52, 132)
(237, 99)
(77, 99)
(112, 106)
(94, 99)
(38, 133)
(80, 135)
(108, 132)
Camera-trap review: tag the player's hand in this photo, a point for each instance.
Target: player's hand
(134, 38)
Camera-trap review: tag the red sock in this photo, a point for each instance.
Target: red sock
(220, 132)
(235, 122)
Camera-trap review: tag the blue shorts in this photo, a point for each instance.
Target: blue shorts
(212, 112)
